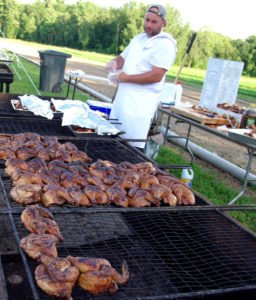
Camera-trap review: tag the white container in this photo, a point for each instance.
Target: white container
(178, 95)
(187, 176)
(167, 96)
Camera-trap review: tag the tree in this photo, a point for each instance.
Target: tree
(9, 18)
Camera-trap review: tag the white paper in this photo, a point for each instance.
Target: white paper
(221, 82)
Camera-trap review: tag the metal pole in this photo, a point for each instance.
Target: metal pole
(185, 56)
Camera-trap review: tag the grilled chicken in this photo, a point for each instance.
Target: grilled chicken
(95, 194)
(60, 268)
(52, 286)
(56, 276)
(116, 195)
(6, 153)
(12, 164)
(25, 153)
(78, 198)
(38, 220)
(26, 194)
(36, 244)
(24, 178)
(97, 276)
(54, 194)
(183, 194)
(161, 192)
(80, 156)
(141, 198)
(85, 264)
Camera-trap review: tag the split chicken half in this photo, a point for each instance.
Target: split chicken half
(98, 276)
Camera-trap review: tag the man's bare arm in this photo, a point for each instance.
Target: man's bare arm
(155, 75)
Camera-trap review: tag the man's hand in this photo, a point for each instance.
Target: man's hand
(115, 78)
(111, 66)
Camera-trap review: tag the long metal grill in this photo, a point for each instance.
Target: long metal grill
(169, 254)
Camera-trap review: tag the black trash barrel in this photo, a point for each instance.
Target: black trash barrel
(52, 70)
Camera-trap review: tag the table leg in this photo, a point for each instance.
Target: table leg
(250, 152)
(74, 90)
(7, 88)
(69, 82)
(1, 87)
(187, 146)
(167, 128)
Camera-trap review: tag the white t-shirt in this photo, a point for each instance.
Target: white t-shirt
(143, 53)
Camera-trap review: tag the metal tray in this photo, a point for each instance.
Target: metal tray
(25, 111)
(90, 134)
(239, 135)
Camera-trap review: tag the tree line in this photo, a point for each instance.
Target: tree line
(87, 26)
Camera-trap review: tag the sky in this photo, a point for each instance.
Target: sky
(235, 19)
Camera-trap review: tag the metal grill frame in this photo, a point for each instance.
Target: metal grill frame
(171, 255)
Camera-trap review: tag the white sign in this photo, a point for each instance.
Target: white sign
(221, 82)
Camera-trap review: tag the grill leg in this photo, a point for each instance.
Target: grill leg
(250, 152)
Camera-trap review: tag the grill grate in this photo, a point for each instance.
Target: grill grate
(169, 254)
(40, 126)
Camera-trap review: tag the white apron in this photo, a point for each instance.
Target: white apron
(135, 109)
(135, 104)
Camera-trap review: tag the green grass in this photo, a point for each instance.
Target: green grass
(189, 76)
(23, 85)
(207, 183)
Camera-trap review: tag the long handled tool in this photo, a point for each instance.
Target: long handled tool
(185, 56)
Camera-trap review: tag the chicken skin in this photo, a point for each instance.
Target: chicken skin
(12, 164)
(52, 286)
(97, 276)
(38, 220)
(54, 194)
(36, 244)
(26, 194)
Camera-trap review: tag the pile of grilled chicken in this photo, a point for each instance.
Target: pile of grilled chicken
(57, 275)
(47, 172)
(236, 108)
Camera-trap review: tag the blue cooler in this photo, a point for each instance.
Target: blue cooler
(103, 107)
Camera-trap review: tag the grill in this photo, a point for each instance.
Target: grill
(41, 126)
(171, 253)
(175, 255)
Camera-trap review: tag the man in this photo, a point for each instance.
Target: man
(141, 70)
